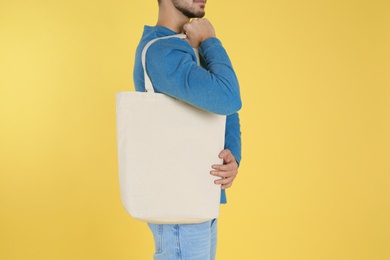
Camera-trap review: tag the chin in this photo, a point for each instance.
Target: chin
(199, 15)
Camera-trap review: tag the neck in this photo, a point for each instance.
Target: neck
(170, 17)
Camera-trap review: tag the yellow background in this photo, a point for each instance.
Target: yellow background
(315, 176)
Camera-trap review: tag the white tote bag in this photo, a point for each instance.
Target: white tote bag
(165, 151)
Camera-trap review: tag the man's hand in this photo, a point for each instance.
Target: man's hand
(228, 170)
(197, 31)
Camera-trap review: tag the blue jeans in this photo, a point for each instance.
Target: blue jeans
(185, 241)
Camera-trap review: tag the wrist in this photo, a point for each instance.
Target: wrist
(209, 42)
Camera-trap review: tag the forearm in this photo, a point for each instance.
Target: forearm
(233, 136)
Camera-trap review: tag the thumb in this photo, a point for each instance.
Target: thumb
(224, 154)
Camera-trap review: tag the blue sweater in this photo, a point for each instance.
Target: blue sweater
(172, 67)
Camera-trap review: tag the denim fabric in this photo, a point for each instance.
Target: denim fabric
(185, 241)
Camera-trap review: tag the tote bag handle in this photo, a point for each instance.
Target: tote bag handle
(148, 83)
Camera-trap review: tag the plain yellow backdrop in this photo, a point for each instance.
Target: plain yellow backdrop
(314, 182)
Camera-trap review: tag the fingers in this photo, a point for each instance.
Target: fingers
(229, 161)
(185, 28)
(197, 31)
(224, 174)
(227, 156)
(225, 182)
(225, 167)
(227, 172)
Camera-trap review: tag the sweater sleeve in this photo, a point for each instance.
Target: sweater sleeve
(233, 136)
(172, 67)
(232, 142)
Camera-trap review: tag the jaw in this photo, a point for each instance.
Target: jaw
(195, 9)
(173, 14)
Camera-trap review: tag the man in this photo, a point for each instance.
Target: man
(213, 86)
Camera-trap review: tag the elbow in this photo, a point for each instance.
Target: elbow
(233, 100)
(235, 105)
(238, 105)
(230, 105)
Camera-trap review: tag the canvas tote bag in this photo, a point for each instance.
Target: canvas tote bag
(165, 151)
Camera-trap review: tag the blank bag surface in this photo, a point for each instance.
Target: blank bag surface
(165, 151)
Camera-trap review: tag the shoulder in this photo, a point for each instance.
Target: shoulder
(170, 51)
(169, 45)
